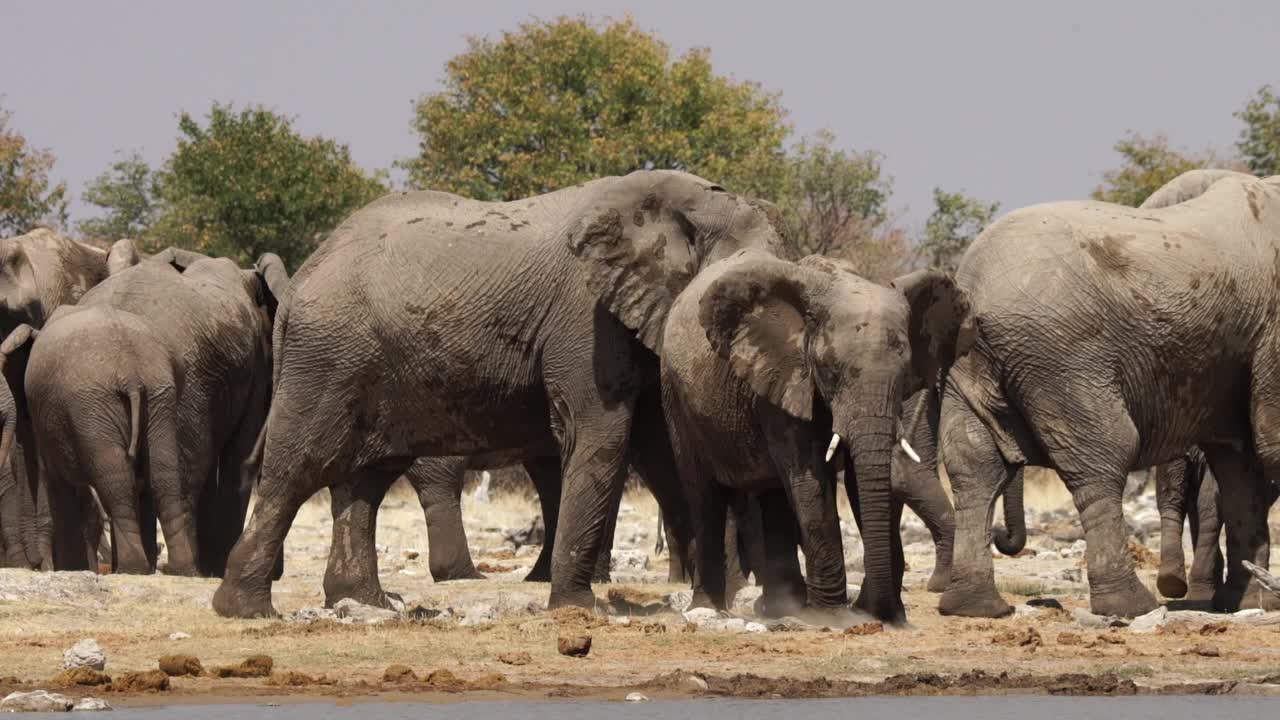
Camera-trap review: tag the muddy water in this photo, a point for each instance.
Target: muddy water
(953, 708)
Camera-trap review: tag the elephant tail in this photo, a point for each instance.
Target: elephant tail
(1014, 539)
(134, 398)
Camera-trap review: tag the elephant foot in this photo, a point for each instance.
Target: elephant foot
(363, 593)
(177, 570)
(1132, 600)
(780, 603)
(538, 574)
(1229, 599)
(886, 609)
(583, 598)
(968, 602)
(228, 601)
(1200, 593)
(471, 574)
(940, 579)
(1171, 585)
(836, 617)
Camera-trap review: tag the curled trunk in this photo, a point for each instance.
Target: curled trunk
(1012, 540)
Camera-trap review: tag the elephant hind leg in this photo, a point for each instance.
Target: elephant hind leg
(352, 570)
(1173, 485)
(545, 474)
(438, 483)
(1244, 508)
(1207, 565)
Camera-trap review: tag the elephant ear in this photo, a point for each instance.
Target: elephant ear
(123, 255)
(939, 326)
(756, 314)
(639, 257)
(275, 278)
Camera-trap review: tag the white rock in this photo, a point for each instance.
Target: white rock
(696, 682)
(1144, 624)
(623, 621)
(361, 613)
(478, 614)
(744, 602)
(1084, 618)
(1025, 611)
(1250, 612)
(701, 616)
(680, 600)
(755, 628)
(312, 614)
(636, 697)
(35, 701)
(86, 653)
(1048, 555)
(1074, 550)
(179, 636)
(629, 560)
(734, 625)
(91, 704)
(1072, 575)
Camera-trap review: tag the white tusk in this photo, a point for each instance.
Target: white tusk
(910, 451)
(835, 443)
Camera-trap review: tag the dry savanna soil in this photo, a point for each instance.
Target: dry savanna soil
(493, 638)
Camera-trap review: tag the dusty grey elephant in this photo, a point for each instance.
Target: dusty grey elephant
(1104, 339)
(40, 272)
(771, 367)
(152, 390)
(428, 324)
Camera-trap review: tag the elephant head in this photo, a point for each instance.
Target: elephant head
(645, 235)
(41, 271)
(813, 331)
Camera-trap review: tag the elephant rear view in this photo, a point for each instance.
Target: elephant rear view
(152, 390)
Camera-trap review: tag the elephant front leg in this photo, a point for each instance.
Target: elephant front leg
(978, 474)
(1207, 564)
(352, 571)
(783, 585)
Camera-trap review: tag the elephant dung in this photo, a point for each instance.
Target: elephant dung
(180, 665)
(150, 681)
(515, 658)
(35, 701)
(256, 666)
(86, 653)
(575, 646)
(80, 676)
(398, 674)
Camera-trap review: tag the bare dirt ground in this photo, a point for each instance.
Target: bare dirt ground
(492, 638)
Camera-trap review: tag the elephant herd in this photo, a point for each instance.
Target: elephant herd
(659, 325)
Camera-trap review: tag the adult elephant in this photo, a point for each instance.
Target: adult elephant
(152, 390)
(1104, 339)
(766, 360)
(428, 324)
(40, 272)
(437, 481)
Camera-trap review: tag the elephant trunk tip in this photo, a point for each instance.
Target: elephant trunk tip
(1008, 542)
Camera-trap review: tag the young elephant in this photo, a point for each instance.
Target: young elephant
(152, 390)
(40, 272)
(771, 367)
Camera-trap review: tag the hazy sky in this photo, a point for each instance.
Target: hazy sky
(1015, 101)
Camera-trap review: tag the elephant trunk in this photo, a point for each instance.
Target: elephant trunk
(1014, 539)
(871, 439)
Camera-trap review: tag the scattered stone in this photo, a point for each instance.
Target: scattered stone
(411, 554)
(576, 646)
(398, 674)
(534, 534)
(1265, 579)
(515, 658)
(91, 704)
(631, 601)
(361, 613)
(744, 602)
(1214, 628)
(1249, 613)
(1024, 611)
(629, 561)
(696, 683)
(701, 616)
(1048, 555)
(1110, 638)
(1149, 622)
(733, 625)
(680, 600)
(636, 697)
(80, 676)
(180, 665)
(149, 681)
(1071, 575)
(1069, 638)
(1075, 550)
(35, 701)
(253, 667)
(1086, 619)
(86, 653)
(755, 628)
(870, 628)
(291, 678)
(179, 636)
(1206, 650)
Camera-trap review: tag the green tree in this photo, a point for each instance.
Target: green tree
(836, 204)
(126, 192)
(1259, 143)
(560, 102)
(249, 183)
(26, 197)
(1148, 164)
(955, 221)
